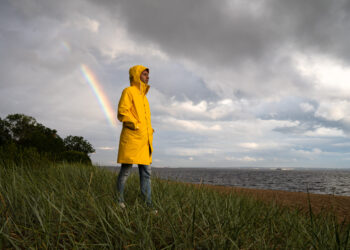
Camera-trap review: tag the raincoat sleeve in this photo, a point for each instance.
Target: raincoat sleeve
(125, 114)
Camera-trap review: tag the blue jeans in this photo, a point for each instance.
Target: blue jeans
(145, 181)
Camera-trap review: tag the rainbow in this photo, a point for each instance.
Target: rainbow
(100, 95)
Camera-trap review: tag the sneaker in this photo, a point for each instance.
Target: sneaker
(122, 205)
(154, 211)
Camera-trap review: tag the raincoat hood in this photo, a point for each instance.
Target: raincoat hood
(134, 76)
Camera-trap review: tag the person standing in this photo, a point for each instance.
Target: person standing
(136, 138)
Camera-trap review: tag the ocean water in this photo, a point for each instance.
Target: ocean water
(319, 181)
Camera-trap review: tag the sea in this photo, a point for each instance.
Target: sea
(318, 181)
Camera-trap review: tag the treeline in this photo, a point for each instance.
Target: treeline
(23, 139)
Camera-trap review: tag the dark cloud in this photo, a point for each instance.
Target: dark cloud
(201, 30)
(250, 45)
(216, 33)
(319, 25)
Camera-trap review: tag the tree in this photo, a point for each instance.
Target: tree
(22, 133)
(75, 156)
(20, 126)
(27, 132)
(78, 143)
(5, 136)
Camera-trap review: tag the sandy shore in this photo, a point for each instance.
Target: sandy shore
(339, 205)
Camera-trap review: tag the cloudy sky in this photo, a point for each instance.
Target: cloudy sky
(235, 83)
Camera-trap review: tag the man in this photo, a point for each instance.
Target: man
(135, 144)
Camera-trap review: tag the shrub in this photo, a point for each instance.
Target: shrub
(75, 156)
(27, 156)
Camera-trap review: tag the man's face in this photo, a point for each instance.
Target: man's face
(144, 76)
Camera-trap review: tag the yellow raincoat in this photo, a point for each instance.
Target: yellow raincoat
(135, 145)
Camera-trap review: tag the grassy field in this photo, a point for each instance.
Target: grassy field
(73, 206)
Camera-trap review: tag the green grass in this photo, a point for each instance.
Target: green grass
(74, 207)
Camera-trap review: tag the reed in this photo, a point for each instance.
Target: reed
(74, 206)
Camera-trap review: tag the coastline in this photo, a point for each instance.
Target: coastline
(339, 205)
(320, 203)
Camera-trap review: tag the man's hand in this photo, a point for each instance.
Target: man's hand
(131, 125)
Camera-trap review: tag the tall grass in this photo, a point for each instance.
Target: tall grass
(74, 206)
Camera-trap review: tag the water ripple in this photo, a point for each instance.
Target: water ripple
(318, 181)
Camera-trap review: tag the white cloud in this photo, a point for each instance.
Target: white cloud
(191, 152)
(194, 126)
(310, 154)
(334, 110)
(329, 76)
(252, 146)
(225, 107)
(88, 23)
(244, 159)
(341, 144)
(325, 132)
(249, 145)
(107, 148)
(306, 107)
(212, 110)
(188, 106)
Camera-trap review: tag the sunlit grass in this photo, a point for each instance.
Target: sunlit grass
(74, 206)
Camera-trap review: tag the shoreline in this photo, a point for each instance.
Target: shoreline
(339, 205)
(329, 203)
(320, 203)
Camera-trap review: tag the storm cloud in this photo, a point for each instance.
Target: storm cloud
(257, 83)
